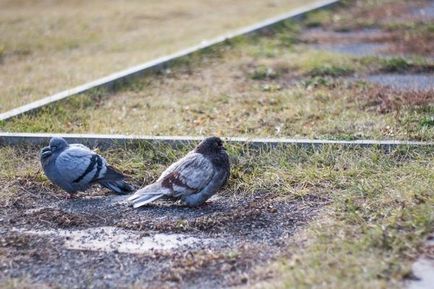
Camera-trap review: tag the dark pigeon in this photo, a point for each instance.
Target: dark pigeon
(193, 179)
(74, 167)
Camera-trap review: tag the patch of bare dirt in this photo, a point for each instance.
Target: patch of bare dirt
(58, 218)
(321, 35)
(394, 27)
(359, 14)
(386, 100)
(240, 232)
(417, 42)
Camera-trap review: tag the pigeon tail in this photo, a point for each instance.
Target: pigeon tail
(147, 195)
(145, 199)
(119, 187)
(114, 181)
(113, 174)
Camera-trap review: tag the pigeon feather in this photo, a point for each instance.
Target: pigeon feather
(74, 167)
(193, 179)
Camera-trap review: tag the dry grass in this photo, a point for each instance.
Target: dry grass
(267, 85)
(403, 30)
(298, 94)
(380, 209)
(367, 239)
(380, 202)
(390, 100)
(367, 13)
(49, 46)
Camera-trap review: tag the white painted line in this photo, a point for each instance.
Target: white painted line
(106, 141)
(113, 239)
(138, 70)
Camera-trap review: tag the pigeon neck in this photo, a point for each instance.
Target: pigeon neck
(220, 159)
(202, 150)
(60, 150)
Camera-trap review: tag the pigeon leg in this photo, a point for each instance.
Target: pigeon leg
(206, 204)
(70, 196)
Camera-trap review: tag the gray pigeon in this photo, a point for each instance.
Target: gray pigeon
(193, 179)
(74, 167)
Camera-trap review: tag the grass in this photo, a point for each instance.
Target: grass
(265, 85)
(235, 97)
(380, 203)
(372, 230)
(408, 33)
(368, 14)
(404, 65)
(79, 41)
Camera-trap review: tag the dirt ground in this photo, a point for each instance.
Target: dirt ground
(241, 234)
(240, 237)
(362, 213)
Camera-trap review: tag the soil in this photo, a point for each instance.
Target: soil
(231, 235)
(377, 39)
(415, 82)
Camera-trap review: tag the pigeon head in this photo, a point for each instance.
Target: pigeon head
(57, 144)
(210, 145)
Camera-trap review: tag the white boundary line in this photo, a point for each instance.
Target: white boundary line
(106, 141)
(138, 70)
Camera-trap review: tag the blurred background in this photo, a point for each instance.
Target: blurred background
(47, 46)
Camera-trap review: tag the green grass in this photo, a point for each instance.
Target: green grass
(210, 93)
(317, 107)
(395, 64)
(380, 203)
(370, 234)
(267, 85)
(262, 73)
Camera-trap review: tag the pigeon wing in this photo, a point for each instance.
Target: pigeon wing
(80, 165)
(188, 176)
(79, 145)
